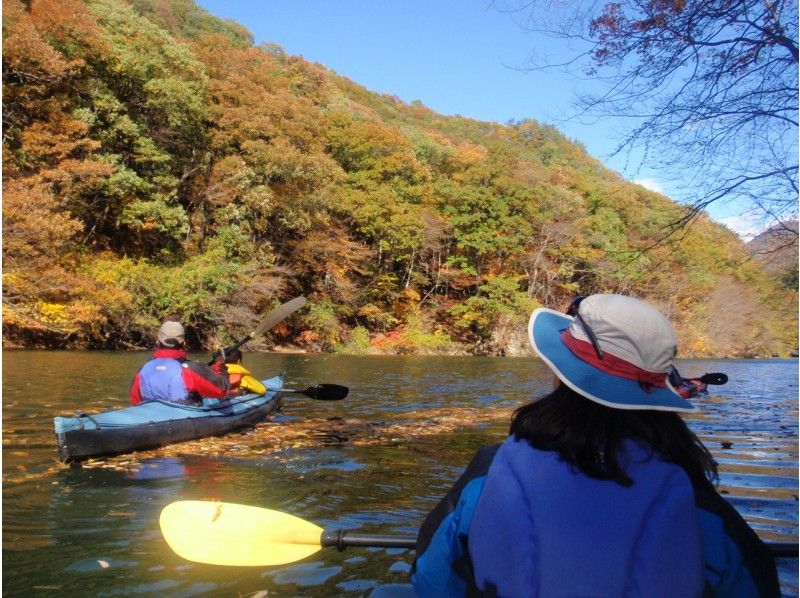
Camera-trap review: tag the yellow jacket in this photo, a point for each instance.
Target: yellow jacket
(242, 380)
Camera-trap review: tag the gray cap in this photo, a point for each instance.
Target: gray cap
(171, 334)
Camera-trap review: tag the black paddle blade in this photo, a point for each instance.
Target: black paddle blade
(715, 378)
(326, 392)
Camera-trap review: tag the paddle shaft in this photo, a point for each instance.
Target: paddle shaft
(271, 320)
(783, 549)
(341, 539)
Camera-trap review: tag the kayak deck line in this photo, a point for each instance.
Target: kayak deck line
(218, 405)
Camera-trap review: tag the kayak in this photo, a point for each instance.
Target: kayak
(157, 423)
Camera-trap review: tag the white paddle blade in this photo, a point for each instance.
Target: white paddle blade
(279, 314)
(220, 533)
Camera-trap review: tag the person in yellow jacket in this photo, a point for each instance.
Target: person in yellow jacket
(242, 382)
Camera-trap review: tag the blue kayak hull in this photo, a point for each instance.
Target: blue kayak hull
(159, 423)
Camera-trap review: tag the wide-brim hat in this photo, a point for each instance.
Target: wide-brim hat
(637, 343)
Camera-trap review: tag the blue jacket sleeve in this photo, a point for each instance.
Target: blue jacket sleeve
(442, 567)
(737, 562)
(440, 570)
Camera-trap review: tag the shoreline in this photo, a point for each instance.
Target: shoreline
(454, 351)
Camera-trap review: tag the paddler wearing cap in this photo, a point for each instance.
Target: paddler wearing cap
(600, 489)
(171, 376)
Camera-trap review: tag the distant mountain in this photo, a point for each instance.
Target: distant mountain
(776, 248)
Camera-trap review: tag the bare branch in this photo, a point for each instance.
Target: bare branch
(710, 88)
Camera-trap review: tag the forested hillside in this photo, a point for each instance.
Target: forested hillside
(156, 163)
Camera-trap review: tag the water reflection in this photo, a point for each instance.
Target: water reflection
(376, 462)
(160, 469)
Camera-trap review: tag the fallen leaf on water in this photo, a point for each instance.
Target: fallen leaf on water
(272, 438)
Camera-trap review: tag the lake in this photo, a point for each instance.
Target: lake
(377, 461)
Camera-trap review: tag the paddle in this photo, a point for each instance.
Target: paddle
(319, 392)
(220, 533)
(714, 378)
(239, 535)
(271, 320)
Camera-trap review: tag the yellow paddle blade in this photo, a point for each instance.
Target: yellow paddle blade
(222, 533)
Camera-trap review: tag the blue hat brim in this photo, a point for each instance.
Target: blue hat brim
(544, 331)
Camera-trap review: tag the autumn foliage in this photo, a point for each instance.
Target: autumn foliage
(156, 163)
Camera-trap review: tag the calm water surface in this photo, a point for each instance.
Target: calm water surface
(377, 462)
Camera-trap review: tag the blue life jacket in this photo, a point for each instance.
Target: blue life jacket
(161, 380)
(543, 528)
(466, 547)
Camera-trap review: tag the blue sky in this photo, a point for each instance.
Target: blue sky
(457, 57)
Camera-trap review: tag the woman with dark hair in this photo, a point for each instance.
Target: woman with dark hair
(591, 437)
(600, 489)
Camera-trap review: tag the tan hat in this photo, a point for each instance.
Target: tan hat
(171, 334)
(628, 328)
(612, 349)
